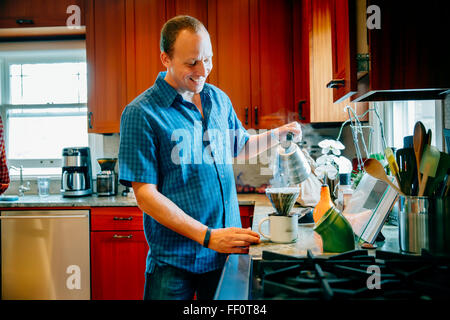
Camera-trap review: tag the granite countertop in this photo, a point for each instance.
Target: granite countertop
(57, 200)
(308, 238)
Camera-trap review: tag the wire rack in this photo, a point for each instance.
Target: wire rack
(357, 128)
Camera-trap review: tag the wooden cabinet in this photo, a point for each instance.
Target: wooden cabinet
(118, 253)
(253, 62)
(343, 37)
(403, 43)
(107, 60)
(315, 27)
(36, 13)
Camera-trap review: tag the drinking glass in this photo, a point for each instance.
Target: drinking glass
(43, 186)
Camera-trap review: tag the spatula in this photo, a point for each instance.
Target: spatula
(441, 172)
(376, 170)
(428, 166)
(418, 142)
(392, 164)
(406, 161)
(428, 137)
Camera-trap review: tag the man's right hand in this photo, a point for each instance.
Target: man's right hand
(232, 240)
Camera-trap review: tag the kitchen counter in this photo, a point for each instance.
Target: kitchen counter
(57, 200)
(235, 282)
(308, 238)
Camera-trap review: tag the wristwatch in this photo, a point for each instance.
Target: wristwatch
(207, 236)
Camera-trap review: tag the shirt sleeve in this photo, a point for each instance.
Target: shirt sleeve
(138, 160)
(240, 134)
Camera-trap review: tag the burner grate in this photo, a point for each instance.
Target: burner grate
(346, 276)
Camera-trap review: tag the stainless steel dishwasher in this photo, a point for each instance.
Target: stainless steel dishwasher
(45, 255)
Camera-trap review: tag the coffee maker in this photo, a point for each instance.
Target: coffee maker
(76, 179)
(107, 178)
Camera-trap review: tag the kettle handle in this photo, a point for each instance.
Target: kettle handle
(290, 136)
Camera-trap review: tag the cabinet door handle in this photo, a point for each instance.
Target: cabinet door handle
(300, 109)
(336, 83)
(90, 119)
(117, 236)
(256, 116)
(122, 218)
(24, 21)
(246, 115)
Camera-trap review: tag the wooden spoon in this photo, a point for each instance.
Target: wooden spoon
(419, 141)
(376, 170)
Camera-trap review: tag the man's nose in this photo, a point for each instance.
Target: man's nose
(201, 69)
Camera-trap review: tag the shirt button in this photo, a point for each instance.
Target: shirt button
(226, 201)
(222, 176)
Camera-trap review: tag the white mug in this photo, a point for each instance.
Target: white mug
(283, 229)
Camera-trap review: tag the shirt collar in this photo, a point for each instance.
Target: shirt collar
(167, 93)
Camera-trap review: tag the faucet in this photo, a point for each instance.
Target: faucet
(22, 188)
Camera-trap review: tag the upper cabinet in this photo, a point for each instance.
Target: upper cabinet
(314, 63)
(108, 57)
(37, 13)
(399, 53)
(253, 62)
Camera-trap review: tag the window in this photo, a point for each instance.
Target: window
(43, 106)
(400, 117)
(405, 115)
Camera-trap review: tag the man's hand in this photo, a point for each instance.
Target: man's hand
(293, 127)
(232, 240)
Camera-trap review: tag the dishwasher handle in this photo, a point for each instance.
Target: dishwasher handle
(45, 217)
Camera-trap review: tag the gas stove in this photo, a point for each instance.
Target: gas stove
(354, 275)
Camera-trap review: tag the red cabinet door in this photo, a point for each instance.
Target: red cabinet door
(118, 265)
(272, 74)
(343, 30)
(231, 48)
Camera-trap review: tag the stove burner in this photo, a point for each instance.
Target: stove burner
(352, 275)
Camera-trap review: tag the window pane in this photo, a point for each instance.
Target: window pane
(44, 137)
(43, 83)
(407, 113)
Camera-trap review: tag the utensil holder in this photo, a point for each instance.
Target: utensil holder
(424, 223)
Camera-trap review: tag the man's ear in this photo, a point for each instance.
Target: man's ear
(165, 59)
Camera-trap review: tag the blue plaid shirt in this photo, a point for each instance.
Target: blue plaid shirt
(164, 140)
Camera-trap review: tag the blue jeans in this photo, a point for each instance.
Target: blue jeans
(170, 283)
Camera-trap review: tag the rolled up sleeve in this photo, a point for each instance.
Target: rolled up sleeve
(138, 160)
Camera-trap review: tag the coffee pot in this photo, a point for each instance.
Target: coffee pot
(290, 164)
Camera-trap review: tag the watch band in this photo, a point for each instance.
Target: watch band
(207, 236)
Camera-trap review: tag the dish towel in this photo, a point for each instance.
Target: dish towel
(4, 173)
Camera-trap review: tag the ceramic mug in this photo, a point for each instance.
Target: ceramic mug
(283, 229)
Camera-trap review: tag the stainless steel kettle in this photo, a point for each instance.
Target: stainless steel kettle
(290, 163)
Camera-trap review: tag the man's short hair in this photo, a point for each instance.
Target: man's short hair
(173, 27)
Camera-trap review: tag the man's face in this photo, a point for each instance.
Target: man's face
(191, 61)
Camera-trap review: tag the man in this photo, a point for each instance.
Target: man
(192, 216)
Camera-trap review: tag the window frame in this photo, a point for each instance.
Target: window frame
(6, 59)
